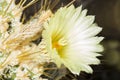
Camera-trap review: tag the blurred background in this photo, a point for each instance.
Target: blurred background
(107, 14)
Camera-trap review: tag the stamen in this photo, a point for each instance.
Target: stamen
(62, 42)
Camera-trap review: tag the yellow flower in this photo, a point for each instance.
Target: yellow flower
(70, 38)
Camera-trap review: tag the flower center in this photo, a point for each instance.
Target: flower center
(60, 45)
